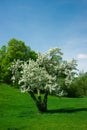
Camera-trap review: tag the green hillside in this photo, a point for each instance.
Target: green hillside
(18, 112)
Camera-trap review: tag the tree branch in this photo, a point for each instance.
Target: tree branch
(45, 97)
(33, 96)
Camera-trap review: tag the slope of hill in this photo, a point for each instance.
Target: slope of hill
(18, 112)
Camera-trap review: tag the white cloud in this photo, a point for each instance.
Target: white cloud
(82, 56)
(82, 65)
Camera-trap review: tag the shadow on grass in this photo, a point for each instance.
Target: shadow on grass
(12, 129)
(66, 110)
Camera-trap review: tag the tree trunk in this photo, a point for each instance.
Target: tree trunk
(41, 104)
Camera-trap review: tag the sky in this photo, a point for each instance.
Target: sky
(45, 24)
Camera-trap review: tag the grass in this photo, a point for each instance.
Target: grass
(18, 112)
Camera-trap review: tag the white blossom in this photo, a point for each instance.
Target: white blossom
(45, 73)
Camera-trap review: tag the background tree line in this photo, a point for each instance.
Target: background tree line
(78, 87)
(17, 49)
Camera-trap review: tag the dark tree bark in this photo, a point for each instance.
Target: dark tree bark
(41, 104)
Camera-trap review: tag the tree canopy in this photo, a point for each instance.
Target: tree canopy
(14, 50)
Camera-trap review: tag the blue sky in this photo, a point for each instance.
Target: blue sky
(44, 24)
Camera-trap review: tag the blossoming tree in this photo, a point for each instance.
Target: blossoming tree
(46, 75)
